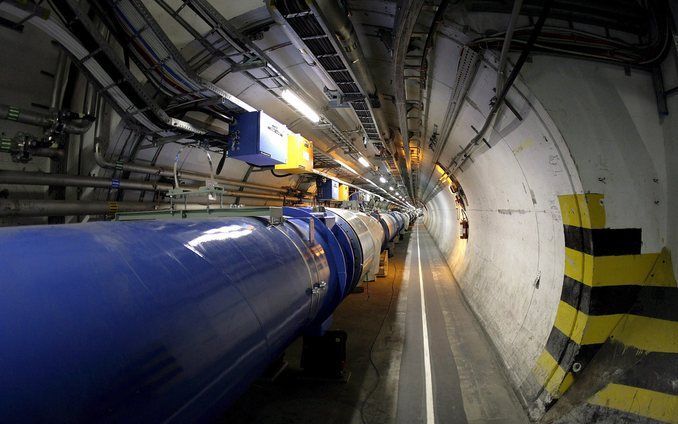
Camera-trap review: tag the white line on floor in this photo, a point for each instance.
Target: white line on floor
(430, 411)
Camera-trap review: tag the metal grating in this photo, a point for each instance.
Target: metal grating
(304, 23)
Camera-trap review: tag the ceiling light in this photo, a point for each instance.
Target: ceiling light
(391, 188)
(382, 180)
(300, 105)
(364, 162)
(346, 166)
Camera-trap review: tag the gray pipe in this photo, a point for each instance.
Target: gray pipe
(29, 117)
(46, 152)
(503, 56)
(153, 170)
(26, 208)
(337, 23)
(23, 208)
(60, 76)
(39, 178)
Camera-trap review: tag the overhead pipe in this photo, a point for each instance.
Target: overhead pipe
(336, 25)
(331, 14)
(406, 19)
(60, 77)
(300, 46)
(46, 152)
(154, 170)
(74, 126)
(26, 208)
(156, 320)
(38, 178)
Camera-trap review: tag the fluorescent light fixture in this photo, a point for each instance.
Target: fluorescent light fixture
(391, 188)
(346, 166)
(371, 182)
(382, 180)
(300, 105)
(364, 162)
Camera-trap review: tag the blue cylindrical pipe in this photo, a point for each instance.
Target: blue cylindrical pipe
(390, 226)
(153, 321)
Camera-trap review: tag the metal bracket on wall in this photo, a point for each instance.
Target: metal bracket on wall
(660, 93)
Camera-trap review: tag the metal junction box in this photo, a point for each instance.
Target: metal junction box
(329, 190)
(258, 139)
(343, 192)
(299, 155)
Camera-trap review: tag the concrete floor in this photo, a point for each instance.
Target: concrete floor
(465, 384)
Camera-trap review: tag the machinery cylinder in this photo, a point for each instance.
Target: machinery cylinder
(151, 321)
(390, 226)
(377, 234)
(369, 249)
(406, 218)
(400, 220)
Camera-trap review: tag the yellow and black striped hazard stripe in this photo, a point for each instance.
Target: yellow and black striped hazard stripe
(610, 293)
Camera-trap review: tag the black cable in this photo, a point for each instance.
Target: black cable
(279, 175)
(374, 342)
(526, 52)
(465, 153)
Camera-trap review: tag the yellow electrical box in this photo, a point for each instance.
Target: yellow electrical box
(343, 192)
(299, 155)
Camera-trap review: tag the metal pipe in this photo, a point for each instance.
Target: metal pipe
(300, 46)
(157, 320)
(38, 178)
(29, 117)
(23, 208)
(369, 249)
(503, 56)
(46, 152)
(60, 76)
(145, 169)
(378, 236)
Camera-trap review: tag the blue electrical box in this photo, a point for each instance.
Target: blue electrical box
(258, 139)
(328, 190)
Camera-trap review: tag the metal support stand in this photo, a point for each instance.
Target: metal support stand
(275, 369)
(324, 357)
(383, 264)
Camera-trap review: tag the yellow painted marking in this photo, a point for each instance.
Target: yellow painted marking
(582, 328)
(551, 375)
(579, 266)
(583, 210)
(650, 334)
(646, 403)
(567, 382)
(644, 333)
(650, 269)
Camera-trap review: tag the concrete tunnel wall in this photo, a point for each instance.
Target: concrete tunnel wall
(567, 264)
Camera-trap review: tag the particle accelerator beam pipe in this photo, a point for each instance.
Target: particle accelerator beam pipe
(159, 320)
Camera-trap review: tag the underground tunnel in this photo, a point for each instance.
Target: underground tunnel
(338, 211)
